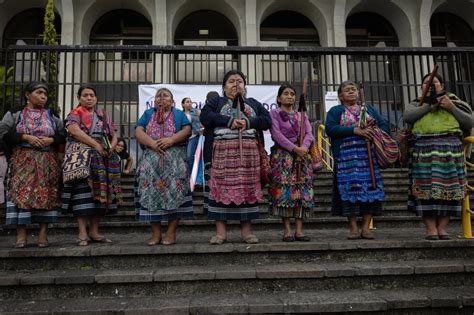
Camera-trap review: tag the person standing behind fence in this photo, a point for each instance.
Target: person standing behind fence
(436, 165)
(231, 150)
(100, 193)
(35, 172)
(193, 116)
(353, 191)
(122, 151)
(290, 196)
(162, 182)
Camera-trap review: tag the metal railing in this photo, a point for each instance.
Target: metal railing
(324, 147)
(466, 208)
(392, 76)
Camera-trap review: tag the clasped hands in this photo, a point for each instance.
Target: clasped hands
(239, 124)
(367, 133)
(38, 142)
(162, 144)
(444, 102)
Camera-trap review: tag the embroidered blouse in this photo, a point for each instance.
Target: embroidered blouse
(285, 129)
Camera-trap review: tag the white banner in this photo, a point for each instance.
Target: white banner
(265, 94)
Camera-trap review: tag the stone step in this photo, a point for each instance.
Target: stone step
(201, 223)
(421, 300)
(319, 212)
(192, 249)
(234, 279)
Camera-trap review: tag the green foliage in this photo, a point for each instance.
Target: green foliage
(50, 59)
(8, 91)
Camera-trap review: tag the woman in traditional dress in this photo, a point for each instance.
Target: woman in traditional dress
(290, 191)
(35, 173)
(437, 175)
(232, 124)
(162, 179)
(98, 195)
(353, 192)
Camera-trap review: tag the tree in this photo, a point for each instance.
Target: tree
(50, 59)
(9, 93)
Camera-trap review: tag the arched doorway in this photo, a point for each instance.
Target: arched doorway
(204, 28)
(289, 28)
(27, 27)
(117, 74)
(368, 29)
(449, 30)
(121, 27)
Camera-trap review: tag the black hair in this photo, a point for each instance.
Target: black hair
(211, 95)
(184, 99)
(230, 73)
(124, 143)
(283, 87)
(343, 85)
(438, 76)
(167, 90)
(83, 87)
(32, 86)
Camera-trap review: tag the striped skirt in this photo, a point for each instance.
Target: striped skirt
(235, 188)
(162, 193)
(100, 194)
(33, 187)
(355, 195)
(288, 196)
(437, 176)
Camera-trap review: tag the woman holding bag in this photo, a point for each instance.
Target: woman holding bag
(97, 195)
(354, 192)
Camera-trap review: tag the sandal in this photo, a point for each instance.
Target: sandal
(290, 238)
(21, 244)
(302, 238)
(353, 236)
(166, 242)
(444, 237)
(367, 236)
(250, 239)
(217, 240)
(101, 239)
(432, 238)
(43, 244)
(152, 242)
(82, 242)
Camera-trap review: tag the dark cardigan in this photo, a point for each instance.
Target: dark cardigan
(211, 119)
(337, 132)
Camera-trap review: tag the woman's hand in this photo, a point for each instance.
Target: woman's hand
(47, 141)
(366, 133)
(165, 143)
(36, 142)
(238, 124)
(100, 148)
(300, 151)
(446, 103)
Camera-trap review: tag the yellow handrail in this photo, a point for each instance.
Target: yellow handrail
(466, 209)
(324, 147)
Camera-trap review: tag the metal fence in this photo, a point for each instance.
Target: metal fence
(391, 76)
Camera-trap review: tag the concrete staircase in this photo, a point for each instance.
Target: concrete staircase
(398, 273)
